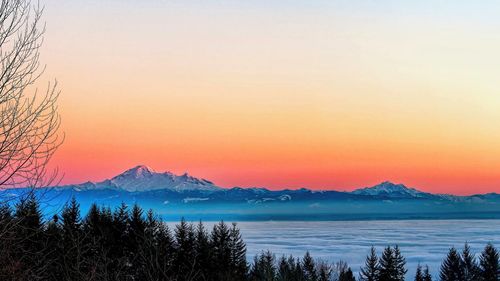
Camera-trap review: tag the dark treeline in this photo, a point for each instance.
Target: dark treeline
(129, 244)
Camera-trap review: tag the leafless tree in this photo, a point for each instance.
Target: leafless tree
(29, 118)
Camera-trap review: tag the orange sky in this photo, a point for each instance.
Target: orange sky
(323, 94)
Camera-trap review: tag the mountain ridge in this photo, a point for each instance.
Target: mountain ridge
(176, 196)
(142, 178)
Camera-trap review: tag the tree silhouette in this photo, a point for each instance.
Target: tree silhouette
(452, 268)
(29, 120)
(309, 267)
(370, 271)
(387, 269)
(489, 264)
(470, 267)
(238, 264)
(427, 275)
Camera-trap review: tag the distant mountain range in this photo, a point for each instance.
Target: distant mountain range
(172, 195)
(144, 179)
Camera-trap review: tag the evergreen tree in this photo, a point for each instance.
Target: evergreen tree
(166, 250)
(238, 265)
(203, 252)
(470, 267)
(284, 269)
(136, 242)
(185, 258)
(119, 246)
(28, 235)
(221, 250)
(263, 267)
(489, 264)
(371, 269)
(53, 249)
(92, 238)
(137, 226)
(387, 266)
(73, 244)
(71, 218)
(347, 275)
(309, 267)
(299, 271)
(452, 267)
(427, 275)
(400, 263)
(419, 275)
(148, 254)
(324, 271)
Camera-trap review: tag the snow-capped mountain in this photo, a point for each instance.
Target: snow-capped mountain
(144, 181)
(186, 196)
(391, 190)
(142, 178)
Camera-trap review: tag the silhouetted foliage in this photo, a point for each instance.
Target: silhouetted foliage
(419, 275)
(471, 269)
(488, 263)
(130, 244)
(370, 271)
(452, 268)
(347, 275)
(309, 267)
(427, 275)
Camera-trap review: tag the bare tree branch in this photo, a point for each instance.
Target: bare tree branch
(29, 119)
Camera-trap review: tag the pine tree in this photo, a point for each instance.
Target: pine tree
(71, 217)
(400, 263)
(166, 250)
(238, 250)
(452, 267)
(309, 267)
(29, 240)
(324, 271)
(284, 269)
(119, 233)
(137, 224)
(387, 266)
(299, 273)
(92, 221)
(371, 269)
(489, 264)
(221, 250)
(347, 275)
(53, 249)
(427, 275)
(470, 267)
(148, 254)
(203, 251)
(185, 257)
(419, 275)
(72, 240)
(263, 267)
(136, 242)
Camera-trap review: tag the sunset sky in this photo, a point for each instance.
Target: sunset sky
(318, 94)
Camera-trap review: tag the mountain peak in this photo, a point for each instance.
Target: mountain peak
(391, 185)
(142, 178)
(392, 190)
(139, 171)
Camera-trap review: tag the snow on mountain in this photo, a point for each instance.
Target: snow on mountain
(391, 190)
(142, 178)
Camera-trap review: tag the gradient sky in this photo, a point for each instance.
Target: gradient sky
(319, 94)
